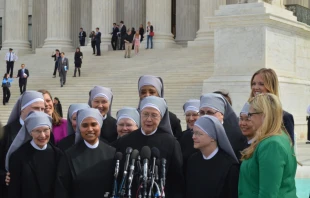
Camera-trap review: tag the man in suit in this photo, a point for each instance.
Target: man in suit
(123, 35)
(10, 58)
(23, 75)
(82, 35)
(114, 36)
(63, 67)
(98, 41)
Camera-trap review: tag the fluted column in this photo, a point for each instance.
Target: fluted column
(187, 21)
(205, 34)
(159, 14)
(120, 11)
(232, 2)
(39, 23)
(103, 16)
(16, 35)
(134, 13)
(86, 18)
(58, 25)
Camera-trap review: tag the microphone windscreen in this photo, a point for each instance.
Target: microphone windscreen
(128, 150)
(157, 162)
(145, 152)
(118, 156)
(163, 161)
(134, 154)
(155, 152)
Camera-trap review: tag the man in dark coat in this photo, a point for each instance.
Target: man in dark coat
(123, 35)
(23, 75)
(82, 35)
(98, 41)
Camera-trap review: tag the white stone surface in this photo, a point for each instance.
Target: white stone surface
(16, 36)
(205, 34)
(259, 35)
(159, 14)
(134, 13)
(103, 16)
(187, 22)
(58, 26)
(39, 23)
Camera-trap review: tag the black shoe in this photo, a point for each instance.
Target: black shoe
(61, 85)
(54, 76)
(125, 57)
(64, 83)
(308, 142)
(74, 76)
(128, 57)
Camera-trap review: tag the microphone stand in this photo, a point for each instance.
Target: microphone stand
(115, 179)
(152, 177)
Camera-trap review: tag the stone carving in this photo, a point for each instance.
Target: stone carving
(272, 2)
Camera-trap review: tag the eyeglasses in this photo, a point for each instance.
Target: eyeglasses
(192, 115)
(202, 113)
(244, 119)
(153, 116)
(250, 114)
(197, 133)
(38, 132)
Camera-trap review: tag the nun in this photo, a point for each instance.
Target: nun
(153, 86)
(128, 120)
(69, 141)
(246, 125)
(101, 98)
(32, 160)
(27, 102)
(214, 171)
(87, 168)
(216, 105)
(155, 131)
(191, 111)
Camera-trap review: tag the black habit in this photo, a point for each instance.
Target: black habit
(169, 149)
(175, 124)
(33, 172)
(213, 178)
(288, 121)
(85, 172)
(108, 129)
(187, 146)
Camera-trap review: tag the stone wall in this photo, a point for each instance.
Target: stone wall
(302, 13)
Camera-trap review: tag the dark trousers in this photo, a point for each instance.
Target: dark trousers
(122, 43)
(55, 68)
(10, 66)
(6, 94)
(114, 42)
(22, 85)
(77, 68)
(93, 45)
(82, 41)
(98, 48)
(63, 77)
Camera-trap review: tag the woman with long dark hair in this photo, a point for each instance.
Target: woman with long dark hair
(78, 56)
(6, 84)
(58, 107)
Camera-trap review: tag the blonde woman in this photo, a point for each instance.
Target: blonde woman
(269, 164)
(137, 38)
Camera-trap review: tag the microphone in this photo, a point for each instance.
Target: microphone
(133, 157)
(123, 183)
(118, 156)
(155, 155)
(163, 175)
(145, 155)
(156, 169)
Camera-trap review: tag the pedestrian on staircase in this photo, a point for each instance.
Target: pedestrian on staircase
(63, 67)
(10, 58)
(128, 43)
(78, 56)
(23, 75)
(56, 57)
(98, 41)
(6, 84)
(93, 41)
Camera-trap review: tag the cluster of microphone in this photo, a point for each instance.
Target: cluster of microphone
(146, 168)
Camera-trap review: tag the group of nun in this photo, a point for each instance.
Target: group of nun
(202, 161)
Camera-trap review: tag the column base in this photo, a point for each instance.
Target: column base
(162, 41)
(62, 45)
(18, 46)
(204, 38)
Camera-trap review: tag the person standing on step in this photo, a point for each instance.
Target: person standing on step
(56, 57)
(82, 35)
(63, 67)
(136, 41)
(78, 56)
(98, 41)
(128, 43)
(123, 35)
(6, 84)
(150, 34)
(93, 41)
(23, 75)
(141, 32)
(114, 36)
(10, 58)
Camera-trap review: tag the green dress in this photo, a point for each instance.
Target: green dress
(270, 172)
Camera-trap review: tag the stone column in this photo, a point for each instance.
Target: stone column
(187, 21)
(39, 23)
(205, 34)
(134, 13)
(159, 14)
(16, 35)
(86, 18)
(120, 11)
(103, 16)
(58, 26)
(232, 1)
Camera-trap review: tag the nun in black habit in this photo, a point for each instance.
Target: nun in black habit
(101, 98)
(32, 160)
(246, 125)
(27, 102)
(214, 171)
(69, 141)
(216, 105)
(87, 168)
(153, 86)
(191, 110)
(155, 131)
